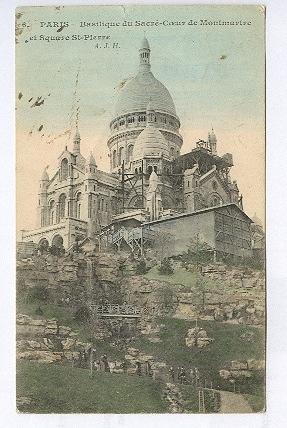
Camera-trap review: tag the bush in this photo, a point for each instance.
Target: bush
(165, 267)
(141, 267)
(38, 294)
(82, 314)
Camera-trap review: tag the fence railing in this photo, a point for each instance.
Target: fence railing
(114, 309)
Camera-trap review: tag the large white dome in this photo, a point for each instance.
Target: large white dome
(150, 143)
(135, 94)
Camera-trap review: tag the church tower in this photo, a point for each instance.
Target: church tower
(212, 142)
(89, 198)
(42, 211)
(77, 143)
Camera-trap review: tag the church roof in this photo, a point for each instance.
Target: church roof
(136, 92)
(150, 143)
(45, 175)
(92, 160)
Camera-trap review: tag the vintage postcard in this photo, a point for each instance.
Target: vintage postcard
(140, 209)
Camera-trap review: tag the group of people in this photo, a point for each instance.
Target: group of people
(184, 376)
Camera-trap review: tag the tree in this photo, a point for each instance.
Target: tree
(162, 244)
(141, 267)
(199, 251)
(165, 267)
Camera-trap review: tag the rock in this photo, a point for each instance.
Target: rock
(131, 370)
(33, 344)
(68, 343)
(37, 322)
(41, 356)
(219, 314)
(190, 341)
(225, 374)
(154, 339)
(23, 319)
(158, 365)
(238, 365)
(118, 371)
(130, 357)
(64, 331)
(197, 336)
(241, 373)
(75, 355)
(133, 351)
(48, 343)
(256, 364)
(203, 342)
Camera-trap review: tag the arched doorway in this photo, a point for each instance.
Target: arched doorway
(43, 245)
(57, 241)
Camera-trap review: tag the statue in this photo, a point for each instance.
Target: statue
(153, 201)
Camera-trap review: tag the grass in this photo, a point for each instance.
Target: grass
(190, 279)
(61, 389)
(228, 345)
(190, 396)
(257, 402)
(65, 316)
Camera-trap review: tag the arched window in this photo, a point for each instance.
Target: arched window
(121, 155)
(130, 152)
(149, 170)
(215, 200)
(114, 158)
(52, 212)
(136, 171)
(155, 169)
(78, 205)
(64, 169)
(172, 152)
(62, 206)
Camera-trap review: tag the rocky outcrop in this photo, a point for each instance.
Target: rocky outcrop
(174, 398)
(197, 338)
(242, 369)
(47, 341)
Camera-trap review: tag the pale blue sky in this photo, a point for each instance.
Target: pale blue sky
(226, 93)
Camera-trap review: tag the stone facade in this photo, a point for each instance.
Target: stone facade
(79, 200)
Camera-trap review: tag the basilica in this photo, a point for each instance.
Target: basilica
(150, 184)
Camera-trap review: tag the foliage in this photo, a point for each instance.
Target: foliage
(228, 345)
(165, 267)
(141, 267)
(162, 245)
(38, 311)
(62, 389)
(199, 253)
(39, 293)
(82, 314)
(167, 296)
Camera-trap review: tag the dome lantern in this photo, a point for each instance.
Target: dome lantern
(144, 52)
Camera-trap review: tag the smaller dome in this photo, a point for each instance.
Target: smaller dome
(150, 143)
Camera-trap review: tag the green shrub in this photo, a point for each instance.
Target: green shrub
(165, 267)
(82, 314)
(141, 267)
(39, 293)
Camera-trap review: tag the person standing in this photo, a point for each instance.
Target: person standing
(171, 374)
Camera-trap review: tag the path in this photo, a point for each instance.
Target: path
(233, 403)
